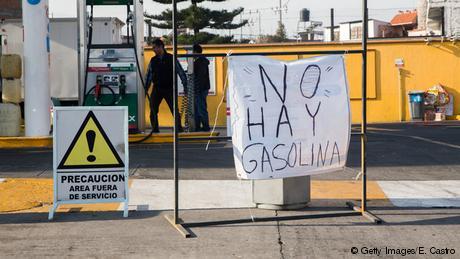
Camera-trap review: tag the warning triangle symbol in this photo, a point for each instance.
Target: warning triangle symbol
(91, 148)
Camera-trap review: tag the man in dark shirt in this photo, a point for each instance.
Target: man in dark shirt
(160, 73)
(202, 86)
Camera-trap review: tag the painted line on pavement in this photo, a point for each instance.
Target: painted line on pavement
(432, 194)
(436, 142)
(420, 138)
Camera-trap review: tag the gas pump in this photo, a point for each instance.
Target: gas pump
(111, 74)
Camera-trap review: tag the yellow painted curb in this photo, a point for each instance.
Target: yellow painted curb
(40, 142)
(23, 194)
(346, 190)
(159, 138)
(25, 142)
(36, 195)
(453, 118)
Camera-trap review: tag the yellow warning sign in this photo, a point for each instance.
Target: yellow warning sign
(91, 148)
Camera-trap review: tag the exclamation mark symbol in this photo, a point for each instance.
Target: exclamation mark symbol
(90, 138)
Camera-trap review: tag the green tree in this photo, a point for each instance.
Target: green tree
(197, 18)
(279, 36)
(281, 32)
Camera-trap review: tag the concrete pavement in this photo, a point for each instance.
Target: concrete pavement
(413, 165)
(146, 234)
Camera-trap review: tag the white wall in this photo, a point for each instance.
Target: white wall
(348, 30)
(376, 28)
(373, 30)
(64, 59)
(14, 36)
(106, 31)
(327, 34)
(451, 16)
(344, 31)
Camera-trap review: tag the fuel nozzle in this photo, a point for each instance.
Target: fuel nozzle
(98, 87)
(122, 86)
(99, 79)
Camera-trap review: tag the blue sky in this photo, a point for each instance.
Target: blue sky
(345, 10)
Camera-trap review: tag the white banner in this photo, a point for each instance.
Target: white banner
(288, 119)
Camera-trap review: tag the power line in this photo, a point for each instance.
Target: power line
(259, 15)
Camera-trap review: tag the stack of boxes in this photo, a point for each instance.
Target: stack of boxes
(10, 111)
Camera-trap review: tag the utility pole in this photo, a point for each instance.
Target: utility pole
(281, 12)
(1, 80)
(332, 24)
(241, 29)
(260, 24)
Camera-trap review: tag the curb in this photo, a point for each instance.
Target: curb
(47, 142)
(453, 118)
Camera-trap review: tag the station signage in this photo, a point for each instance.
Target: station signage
(90, 155)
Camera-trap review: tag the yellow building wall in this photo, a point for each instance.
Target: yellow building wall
(425, 64)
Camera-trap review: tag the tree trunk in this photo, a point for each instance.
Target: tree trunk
(195, 30)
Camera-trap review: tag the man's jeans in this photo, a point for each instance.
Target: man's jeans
(201, 111)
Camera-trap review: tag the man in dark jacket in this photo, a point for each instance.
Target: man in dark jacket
(160, 73)
(202, 86)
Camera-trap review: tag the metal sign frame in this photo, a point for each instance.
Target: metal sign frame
(56, 162)
(361, 210)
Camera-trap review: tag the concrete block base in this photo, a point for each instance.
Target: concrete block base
(282, 194)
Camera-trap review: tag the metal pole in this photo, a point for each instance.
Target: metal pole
(127, 23)
(241, 29)
(281, 13)
(150, 33)
(1, 80)
(400, 91)
(176, 107)
(332, 24)
(138, 36)
(81, 48)
(364, 109)
(443, 22)
(260, 24)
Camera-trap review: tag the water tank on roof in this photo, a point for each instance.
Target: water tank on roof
(304, 15)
